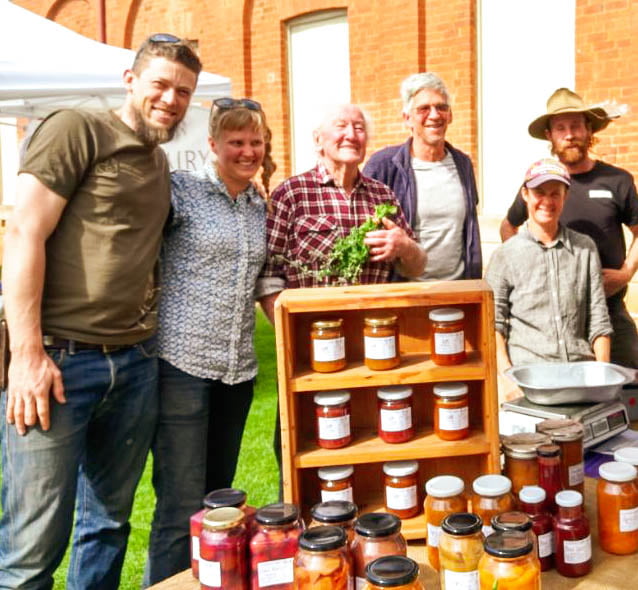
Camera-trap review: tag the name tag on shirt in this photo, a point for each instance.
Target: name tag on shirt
(600, 194)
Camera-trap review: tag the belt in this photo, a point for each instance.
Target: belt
(73, 345)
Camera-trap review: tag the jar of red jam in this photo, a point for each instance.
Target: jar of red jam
(448, 336)
(394, 571)
(549, 473)
(222, 562)
(401, 488)
(521, 464)
(321, 560)
(395, 414)
(451, 411)
(532, 502)
(327, 346)
(336, 482)
(572, 555)
(492, 495)
(381, 342)
(335, 513)
(273, 547)
(332, 411)
(568, 435)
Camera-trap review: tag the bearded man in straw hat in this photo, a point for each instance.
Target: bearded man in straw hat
(601, 199)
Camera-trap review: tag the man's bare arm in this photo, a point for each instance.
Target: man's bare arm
(614, 279)
(507, 230)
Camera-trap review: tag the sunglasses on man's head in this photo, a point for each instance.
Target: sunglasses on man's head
(164, 38)
(227, 103)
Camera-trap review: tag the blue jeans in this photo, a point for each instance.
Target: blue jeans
(91, 458)
(195, 450)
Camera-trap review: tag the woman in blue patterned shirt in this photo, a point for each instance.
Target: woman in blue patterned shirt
(214, 249)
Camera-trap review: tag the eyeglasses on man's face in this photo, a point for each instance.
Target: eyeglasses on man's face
(424, 110)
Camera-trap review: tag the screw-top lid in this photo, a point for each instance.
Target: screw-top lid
(222, 518)
(561, 430)
(550, 450)
(513, 520)
(400, 468)
(627, 455)
(568, 498)
(336, 472)
(277, 514)
(332, 398)
(491, 485)
(453, 389)
(333, 511)
(380, 320)
(523, 445)
(391, 571)
(508, 544)
(462, 523)
(444, 486)
(532, 494)
(322, 538)
(224, 498)
(334, 323)
(394, 392)
(617, 472)
(446, 314)
(377, 524)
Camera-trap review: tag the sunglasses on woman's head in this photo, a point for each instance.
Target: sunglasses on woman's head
(227, 103)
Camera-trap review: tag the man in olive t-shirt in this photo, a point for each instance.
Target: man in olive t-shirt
(80, 297)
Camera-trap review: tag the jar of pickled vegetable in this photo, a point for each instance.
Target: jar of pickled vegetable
(376, 534)
(381, 342)
(401, 488)
(617, 496)
(395, 571)
(332, 412)
(321, 561)
(572, 552)
(222, 560)
(395, 414)
(273, 547)
(568, 435)
(549, 473)
(509, 563)
(451, 411)
(335, 513)
(336, 482)
(460, 550)
(492, 495)
(448, 336)
(445, 496)
(627, 455)
(327, 346)
(521, 465)
(532, 502)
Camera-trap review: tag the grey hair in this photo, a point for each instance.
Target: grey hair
(417, 82)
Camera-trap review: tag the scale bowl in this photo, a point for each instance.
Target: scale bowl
(586, 382)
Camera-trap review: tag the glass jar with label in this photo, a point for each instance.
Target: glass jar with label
(532, 502)
(381, 342)
(321, 560)
(451, 411)
(336, 482)
(335, 513)
(445, 495)
(376, 534)
(401, 488)
(521, 465)
(568, 435)
(273, 547)
(395, 571)
(509, 563)
(448, 336)
(222, 560)
(332, 412)
(549, 473)
(395, 414)
(617, 496)
(572, 551)
(327, 346)
(460, 550)
(514, 520)
(492, 495)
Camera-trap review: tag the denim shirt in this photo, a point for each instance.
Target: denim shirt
(213, 251)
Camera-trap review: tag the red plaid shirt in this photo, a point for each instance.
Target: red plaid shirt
(309, 212)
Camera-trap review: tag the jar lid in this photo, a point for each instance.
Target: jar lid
(225, 497)
(444, 486)
(400, 468)
(462, 523)
(394, 392)
(617, 472)
(377, 524)
(508, 544)
(336, 472)
(333, 511)
(453, 389)
(627, 455)
(491, 485)
(392, 570)
(548, 450)
(532, 494)
(381, 320)
(322, 538)
(523, 445)
(446, 314)
(513, 520)
(332, 398)
(335, 323)
(277, 514)
(568, 498)
(222, 518)
(563, 430)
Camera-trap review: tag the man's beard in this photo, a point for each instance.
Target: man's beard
(152, 136)
(575, 152)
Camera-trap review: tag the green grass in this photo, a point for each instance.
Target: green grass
(256, 472)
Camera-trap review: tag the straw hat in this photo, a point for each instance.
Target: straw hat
(565, 101)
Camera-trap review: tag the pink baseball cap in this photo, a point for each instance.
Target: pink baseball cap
(545, 170)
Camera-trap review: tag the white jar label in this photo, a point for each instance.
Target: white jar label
(360, 583)
(277, 571)
(210, 573)
(449, 343)
(434, 532)
(380, 348)
(195, 547)
(577, 551)
(396, 420)
(329, 350)
(546, 544)
(628, 520)
(334, 428)
(346, 494)
(576, 474)
(400, 498)
(487, 530)
(456, 419)
(461, 580)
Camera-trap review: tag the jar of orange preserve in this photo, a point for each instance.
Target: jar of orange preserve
(448, 336)
(327, 346)
(381, 342)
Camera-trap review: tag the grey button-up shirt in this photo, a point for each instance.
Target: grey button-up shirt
(549, 298)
